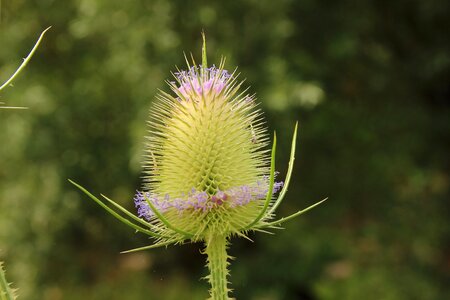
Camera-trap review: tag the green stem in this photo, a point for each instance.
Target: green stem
(25, 61)
(216, 249)
(6, 293)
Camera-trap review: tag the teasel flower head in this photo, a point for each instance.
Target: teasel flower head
(207, 166)
(209, 170)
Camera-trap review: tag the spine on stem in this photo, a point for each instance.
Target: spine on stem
(216, 250)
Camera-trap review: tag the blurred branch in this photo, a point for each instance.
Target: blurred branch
(22, 66)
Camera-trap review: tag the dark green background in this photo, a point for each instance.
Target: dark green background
(367, 80)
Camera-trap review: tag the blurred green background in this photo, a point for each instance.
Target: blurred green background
(368, 81)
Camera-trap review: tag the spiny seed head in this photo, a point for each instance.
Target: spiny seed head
(205, 136)
(206, 159)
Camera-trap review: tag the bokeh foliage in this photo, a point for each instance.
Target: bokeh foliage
(368, 81)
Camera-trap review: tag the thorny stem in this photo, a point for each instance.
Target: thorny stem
(6, 293)
(216, 249)
(25, 60)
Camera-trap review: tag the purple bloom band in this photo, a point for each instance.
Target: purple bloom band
(200, 200)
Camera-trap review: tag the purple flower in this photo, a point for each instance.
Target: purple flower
(200, 200)
(200, 81)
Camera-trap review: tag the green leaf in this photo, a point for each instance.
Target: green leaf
(115, 214)
(165, 221)
(282, 220)
(270, 191)
(129, 214)
(289, 173)
(153, 246)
